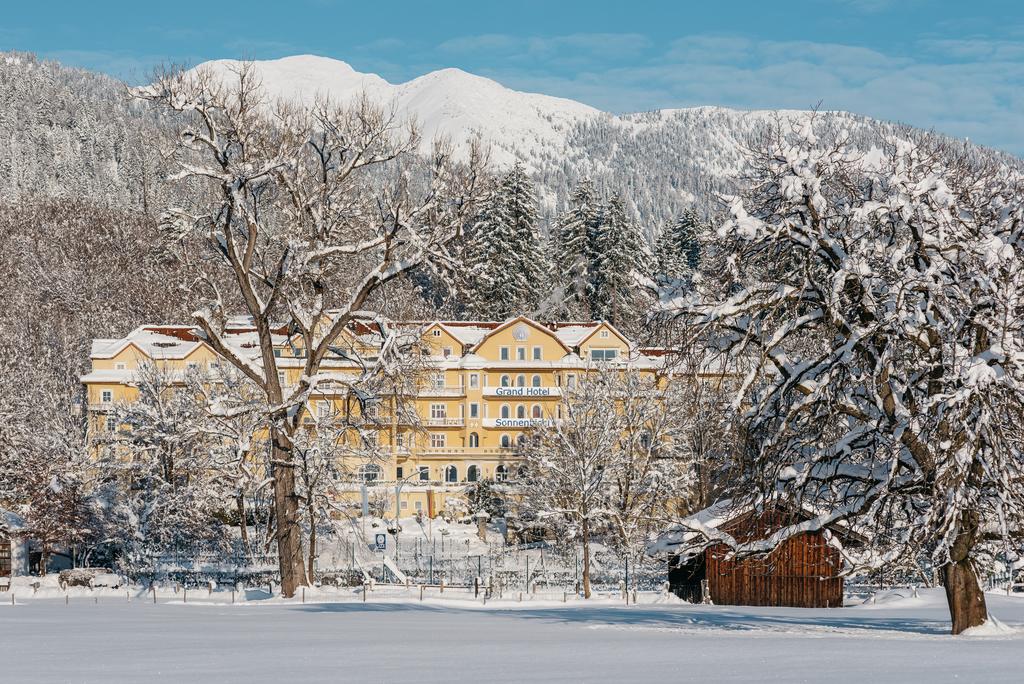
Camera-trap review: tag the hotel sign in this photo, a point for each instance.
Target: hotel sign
(522, 392)
(517, 422)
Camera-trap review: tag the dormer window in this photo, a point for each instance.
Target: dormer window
(520, 353)
(505, 354)
(537, 352)
(603, 354)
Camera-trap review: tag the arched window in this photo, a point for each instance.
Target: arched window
(501, 473)
(536, 381)
(521, 440)
(473, 473)
(451, 474)
(521, 411)
(505, 382)
(537, 413)
(521, 472)
(474, 440)
(505, 441)
(370, 472)
(645, 440)
(506, 412)
(521, 381)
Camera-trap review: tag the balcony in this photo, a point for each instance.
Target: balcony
(444, 422)
(428, 450)
(522, 392)
(445, 391)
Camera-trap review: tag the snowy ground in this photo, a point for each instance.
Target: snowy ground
(394, 637)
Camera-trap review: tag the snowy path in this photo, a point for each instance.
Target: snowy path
(399, 640)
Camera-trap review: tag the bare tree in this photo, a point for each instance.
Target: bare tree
(878, 298)
(304, 214)
(569, 465)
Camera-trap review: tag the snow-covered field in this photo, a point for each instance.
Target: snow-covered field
(394, 637)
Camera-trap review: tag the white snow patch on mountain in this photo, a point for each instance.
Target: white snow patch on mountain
(447, 103)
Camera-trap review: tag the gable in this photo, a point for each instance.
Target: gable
(521, 332)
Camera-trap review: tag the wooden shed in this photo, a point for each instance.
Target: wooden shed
(801, 572)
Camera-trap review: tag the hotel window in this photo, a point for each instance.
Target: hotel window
(537, 411)
(436, 332)
(437, 440)
(505, 381)
(474, 410)
(536, 381)
(399, 473)
(473, 473)
(323, 409)
(111, 424)
(520, 381)
(520, 353)
(603, 354)
(501, 473)
(106, 396)
(506, 442)
(506, 412)
(474, 440)
(537, 353)
(438, 411)
(504, 354)
(437, 381)
(570, 381)
(369, 472)
(400, 439)
(474, 380)
(451, 474)
(520, 412)
(424, 474)
(120, 365)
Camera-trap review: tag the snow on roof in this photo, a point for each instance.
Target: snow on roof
(571, 335)
(10, 521)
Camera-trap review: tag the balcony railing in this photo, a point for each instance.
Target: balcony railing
(444, 422)
(446, 391)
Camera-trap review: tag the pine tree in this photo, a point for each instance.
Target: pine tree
(507, 260)
(677, 249)
(621, 259)
(575, 252)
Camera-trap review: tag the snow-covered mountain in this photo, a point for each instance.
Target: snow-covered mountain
(660, 161)
(449, 102)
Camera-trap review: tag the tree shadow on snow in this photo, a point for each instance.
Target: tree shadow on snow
(687, 618)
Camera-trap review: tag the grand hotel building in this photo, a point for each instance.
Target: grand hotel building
(486, 383)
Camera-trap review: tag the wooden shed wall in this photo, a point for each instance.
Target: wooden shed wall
(802, 572)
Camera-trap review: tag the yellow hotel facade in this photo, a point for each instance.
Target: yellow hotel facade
(486, 383)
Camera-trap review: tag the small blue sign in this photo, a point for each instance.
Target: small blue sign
(382, 541)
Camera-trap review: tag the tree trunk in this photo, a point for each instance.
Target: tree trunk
(243, 525)
(312, 543)
(586, 559)
(965, 598)
(286, 508)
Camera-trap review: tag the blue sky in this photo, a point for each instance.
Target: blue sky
(955, 66)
